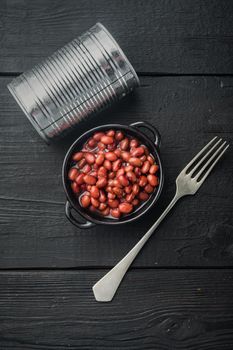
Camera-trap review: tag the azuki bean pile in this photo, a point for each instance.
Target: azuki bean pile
(113, 174)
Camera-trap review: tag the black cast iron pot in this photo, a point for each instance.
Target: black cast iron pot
(91, 219)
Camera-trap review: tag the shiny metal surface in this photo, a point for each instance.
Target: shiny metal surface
(78, 81)
(188, 182)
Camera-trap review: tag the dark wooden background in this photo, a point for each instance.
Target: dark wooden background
(178, 293)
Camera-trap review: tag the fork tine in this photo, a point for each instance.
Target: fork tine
(213, 164)
(205, 166)
(198, 154)
(203, 158)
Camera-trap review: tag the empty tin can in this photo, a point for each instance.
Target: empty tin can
(79, 80)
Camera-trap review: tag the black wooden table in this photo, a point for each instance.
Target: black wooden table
(178, 293)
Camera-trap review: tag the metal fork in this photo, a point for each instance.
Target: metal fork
(188, 182)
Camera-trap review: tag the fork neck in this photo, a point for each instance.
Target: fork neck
(165, 212)
(171, 204)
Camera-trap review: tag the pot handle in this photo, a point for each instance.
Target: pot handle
(73, 220)
(150, 127)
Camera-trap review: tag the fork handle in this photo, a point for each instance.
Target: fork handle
(107, 286)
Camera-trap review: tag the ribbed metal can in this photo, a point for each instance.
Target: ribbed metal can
(78, 81)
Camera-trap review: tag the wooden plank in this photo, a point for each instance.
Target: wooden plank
(186, 309)
(158, 36)
(188, 111)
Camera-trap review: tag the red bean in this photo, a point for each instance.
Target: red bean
(150, 159)
(95, 192)
(102, 172)
(94, 173)
(137, 171)
(86, 169)
(80, 179)
(118, 191)
(135, 189)
(97, 136)
(91, 143)
(111, 156)
(111, 195)
(153, 180)
(106, 211)
(108, 164)
(110, 133)
(106, 140)
(142, 181)
(128, 168)
(102, 206)
(110, 182)
(124, 144)
(75, 187)
(130, 197)
(101, 146)
(135, 161)
(85, 201)
(99, 159)
(102, 182)
(134, 144)
(145, 167)
(131, 176)
(81, 163)
(143, 158)
(115, 213)
(153, 169)
(128, 189)
(90, 158)
(137, 152)
(120, 172)
(116, 165)
(95, 202)
(111, 175)
(113, 203)
(125, 156)
(77, 156)
(125, 208)
(109, 189)
(148, 188)
(102, 197)
(89, 179)
(116, 183)
(135, 201)
(119, 135)
(72, 174)
(143, 196)
(123, 180)
(117, 152)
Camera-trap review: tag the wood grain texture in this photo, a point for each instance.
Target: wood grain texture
(156, 309)
(158, 306)
(188, 111)
(162, 36)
